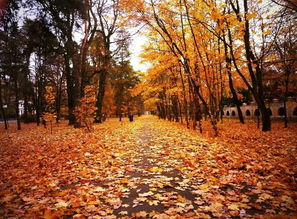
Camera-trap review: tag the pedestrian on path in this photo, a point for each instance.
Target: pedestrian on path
(131, 117)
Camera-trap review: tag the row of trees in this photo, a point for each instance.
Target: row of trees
(203, 51)
(66, 45)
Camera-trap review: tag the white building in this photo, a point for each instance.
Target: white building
(275, 107)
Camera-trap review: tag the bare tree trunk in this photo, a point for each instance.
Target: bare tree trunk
(36, 107)
(58, 103)
(71, 101)
(72, 86)
(89, 34)
(2, 110)
(17, 110)
(257, 77)
(198, 115)
(286, 97)
(287, 80)
(184, 97)
(286, 117)
(100, 96)
(180, 111)
(254, 69)
(240, 116)
(231, 86)
(175, 108)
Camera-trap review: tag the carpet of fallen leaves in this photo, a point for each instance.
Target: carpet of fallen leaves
(148, 168)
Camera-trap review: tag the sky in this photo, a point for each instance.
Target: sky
(135, 49)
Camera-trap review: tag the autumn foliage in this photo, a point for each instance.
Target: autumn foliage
(49, 115)
(205, 52)
(149, 168)
(69, 61)
(85, 112)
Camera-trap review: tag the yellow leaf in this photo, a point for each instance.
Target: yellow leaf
(265, 196)
(204, 187)
(152, 214)
(233, 207)
(156, 169)
(124, 181)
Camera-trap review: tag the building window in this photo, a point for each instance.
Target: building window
(233, 113)
(257, 112)
(248, 113)
(281, 111)
(228, 114)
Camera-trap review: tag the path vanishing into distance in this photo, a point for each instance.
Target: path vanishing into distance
(148, 168)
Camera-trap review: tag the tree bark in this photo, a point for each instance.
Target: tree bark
(256, 78)
(175, 108)
(100, 96)
(286, 97)
(58, 102)
(253, 66)
(70, 93)
(25, 108)
(17, 110)
(231, 86)
(3, 110)
(240, 116)
(72, 82)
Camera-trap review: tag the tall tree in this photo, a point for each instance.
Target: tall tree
(12, 63)
(284, 48)
(108, 16)
(64, 18)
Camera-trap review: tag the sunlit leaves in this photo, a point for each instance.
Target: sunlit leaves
(49, 114)
(85, 112)
(85, 174)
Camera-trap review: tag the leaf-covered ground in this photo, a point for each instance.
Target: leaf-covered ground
(148, 168)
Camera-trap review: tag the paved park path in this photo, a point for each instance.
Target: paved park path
(148, 168)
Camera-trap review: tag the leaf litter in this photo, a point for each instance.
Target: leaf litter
(148, 168)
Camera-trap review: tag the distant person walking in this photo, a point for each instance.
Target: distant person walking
(130, 117)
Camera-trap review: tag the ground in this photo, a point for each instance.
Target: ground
(148, 168)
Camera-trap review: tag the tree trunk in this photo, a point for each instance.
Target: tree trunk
(286, 97)
(175, 108)
(26, 91)
(184, 97)
(2, 110)
(231, 86)
(58, 103)
(159, 110)
(198, 115)
(265, 116)
(258, 118)
(266, 122)
(17, 110)
(25, 108)
(253, 67)
(70, 91)
(180, 111)
(255, 77)
(100, 96)
(36, 107)
(240, 116)
(285, 109)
